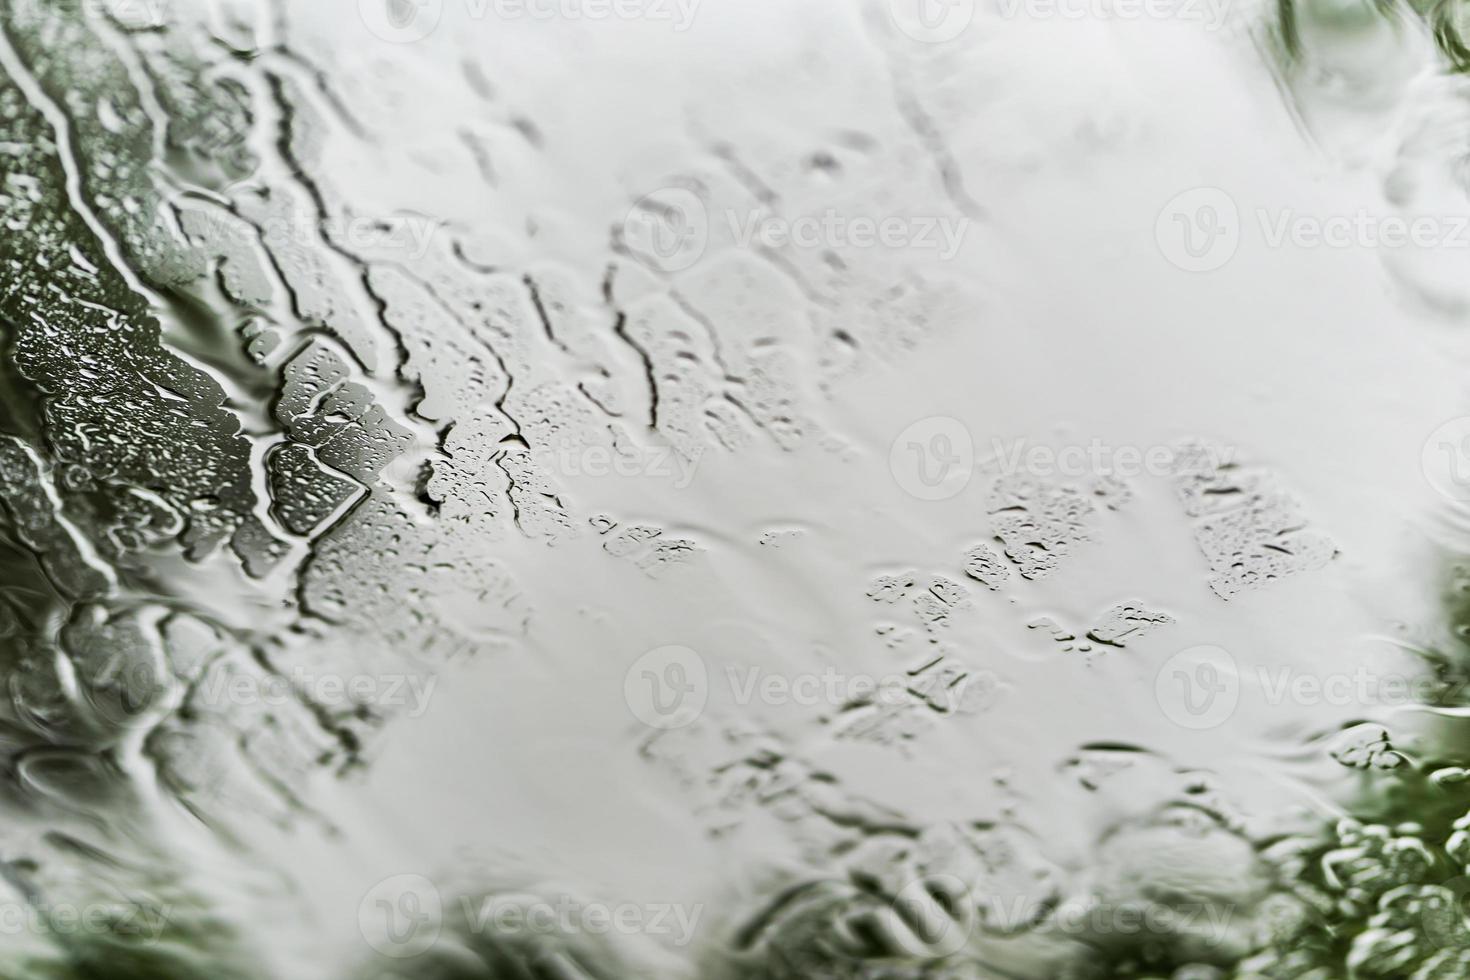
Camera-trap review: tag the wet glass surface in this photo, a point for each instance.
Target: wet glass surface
(712, 489)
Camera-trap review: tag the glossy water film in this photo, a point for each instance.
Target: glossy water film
(734, 489)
